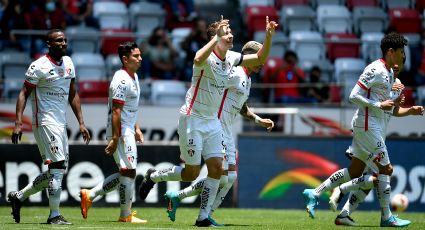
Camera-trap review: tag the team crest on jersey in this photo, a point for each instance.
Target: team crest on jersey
(68, 71)
(191, 152)
(61, 72)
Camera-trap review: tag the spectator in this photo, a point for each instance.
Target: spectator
(79, 12)
(318, 91)
(289, 76)
(14, 19)
(189, 8)
(161, 54)
(191, 44)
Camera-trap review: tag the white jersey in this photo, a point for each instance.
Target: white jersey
(125, 90)
(377, 81)
(208, 83)
(50, 81)
(234, 98)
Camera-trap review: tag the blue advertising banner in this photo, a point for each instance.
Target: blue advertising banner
(274, 170)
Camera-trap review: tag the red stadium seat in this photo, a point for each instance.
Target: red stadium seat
(405, 20)
(256, 17)
(281, 3)
(356, 3)
(93, 91)
(342, 45)
(273, 64)
(420, 5)
(111, 38)
(335, 93)
(409, 97)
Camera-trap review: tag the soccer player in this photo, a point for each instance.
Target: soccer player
(200, 132)
(122, 133)
(50, 81)
(372, 96)
(234, 102)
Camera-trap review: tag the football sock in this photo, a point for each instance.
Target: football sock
(364, 182)
(223, 180)
(55, 189)
(232, 175)
(171, 174)
(334, 180)
(355, 198)
(384, 192)
(208, 194)
(109, 184)
(126, 189)
(192, 190)
(39, 183)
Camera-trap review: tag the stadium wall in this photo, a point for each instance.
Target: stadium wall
(274, 170)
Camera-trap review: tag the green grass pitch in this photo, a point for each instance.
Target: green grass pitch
(106, 218)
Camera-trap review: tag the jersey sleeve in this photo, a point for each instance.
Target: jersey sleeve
(70, 69)
(236, 58)
(371, 76)
(32, 76)
(119, 91)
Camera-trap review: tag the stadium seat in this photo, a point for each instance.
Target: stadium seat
(334, 93)
(371, 46)
(256, 17)
(369, 19)
(333, 19)
(342, 45)
(393, 4)
(111, 14)
(352, 4)
(93, 91)
(347, 72)
(279, 44)
(421, 95)
(284, 3)
(325, 66)
(308, 45)
(89, 66)
(113, 63)
(83, 39)
(413, 40)
(13, 65)
(145, 16)
(178, 35)
(420, 5)
(405, 20)
(168, 92)
(317, 3)
(297, 18)
(245, 3)
(111, 38)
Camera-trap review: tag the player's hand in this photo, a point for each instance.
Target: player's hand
(397, 87)
(17, 134)
(400, 100)
(266, 123)
(85, 133)
(112, 146)
(416, 110)
(270, 26)
(222, 27)
(139, 136)
(387, 105)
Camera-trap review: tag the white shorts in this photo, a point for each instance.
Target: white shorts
(199, 137)
(369, 145)
(230, 149)
(126, 154)
(52, 142)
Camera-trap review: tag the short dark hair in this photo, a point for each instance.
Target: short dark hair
(289, 53)
(393, 41)
(212, 29)
(125, 48)
(50, 32)
(316, 68)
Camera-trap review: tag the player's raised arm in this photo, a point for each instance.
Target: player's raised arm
(202, 54)
(413, 110)
(247, 113)
(261, 56)
(74, 101)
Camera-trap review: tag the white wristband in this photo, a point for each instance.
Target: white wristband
(257, 119)
(217, 38)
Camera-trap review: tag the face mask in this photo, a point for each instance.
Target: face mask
(50, 6)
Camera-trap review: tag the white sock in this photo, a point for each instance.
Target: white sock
(334, 180)
(192, 190)
(208, 194)
(55, 189)
(384, 192)
(126, 189)
(171, 174)
(232, 175)
(355, 198)
(223, 180)
(39, 183)
(109, 184)
(364, 182)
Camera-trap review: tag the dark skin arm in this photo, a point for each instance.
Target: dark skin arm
(20, 107)
(74, 101)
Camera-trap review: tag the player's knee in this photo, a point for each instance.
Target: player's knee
(223, 180)
(190, 174)
(232, 176)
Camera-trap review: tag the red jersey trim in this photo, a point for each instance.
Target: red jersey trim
(246, 71)
(30, 84)
(385, 64)
(51, 60)
(366, 122)
(129, 74)
(36, 107)
(189, 111)
(118, 101)
(221, 59)
(362, 86)
(222, 103)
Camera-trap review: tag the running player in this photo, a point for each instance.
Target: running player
(372, 96)
(200, 132)
(233, 103)
(122, 133)
(50, 81)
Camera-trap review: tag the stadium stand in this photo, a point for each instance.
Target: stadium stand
(370, 46)
(369, 19)
(111, 14)
(168, 92)
(89, 66)
(309, 45)
(297, 18)
(405, 20)
(347, 72)
(255, 17)
(145, 16)
(333, 18)
(340, 45)
(83, 39)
